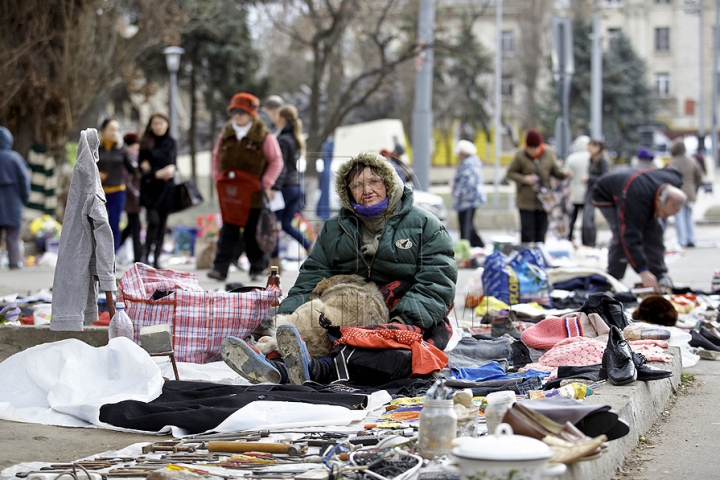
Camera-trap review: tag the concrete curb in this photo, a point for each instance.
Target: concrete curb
(639, 404)
(27, 336)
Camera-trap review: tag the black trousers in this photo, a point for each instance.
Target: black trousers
(573, 217)
(156, 224)
(467, 229)
(653, 246)
(533, 226)
(133, 229)
(228, 246)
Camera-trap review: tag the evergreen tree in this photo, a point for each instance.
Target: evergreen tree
(627, 102)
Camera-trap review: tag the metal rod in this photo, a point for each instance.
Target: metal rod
(498, 101)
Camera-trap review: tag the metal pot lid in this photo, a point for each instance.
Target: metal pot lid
(503, 445)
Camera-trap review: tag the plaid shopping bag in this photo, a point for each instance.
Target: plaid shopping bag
(199, 320)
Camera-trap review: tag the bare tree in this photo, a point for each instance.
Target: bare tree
(58, 58)
(533, 20)
(352, 54)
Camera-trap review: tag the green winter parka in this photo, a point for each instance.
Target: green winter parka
(414, 246)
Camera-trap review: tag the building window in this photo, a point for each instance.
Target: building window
(507, 43)
(662, 39)
(614, 3)
(662, 2)
(506, 88)
(613, 33)
(662, 84)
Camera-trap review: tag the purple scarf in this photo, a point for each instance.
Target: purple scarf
(370, 210)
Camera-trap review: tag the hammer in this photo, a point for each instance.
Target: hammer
(154, 448)
(265, 447)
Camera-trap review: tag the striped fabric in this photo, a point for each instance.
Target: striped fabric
(573, 327)
(43, 181)
(199, 320)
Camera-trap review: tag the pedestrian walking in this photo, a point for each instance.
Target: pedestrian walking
(114, 160)
(245, 145)
(692, 178)
(532, 169)
(468, 191)
(289, 183)
(157, 157)
(578, 163)
(14, 194)
(133, 229)
(599, 165)
(270, 111)
(633, 202)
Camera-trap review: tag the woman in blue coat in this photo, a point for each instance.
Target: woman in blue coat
(468, 191)
(14, 194)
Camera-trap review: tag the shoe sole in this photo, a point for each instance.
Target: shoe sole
(217, 277)
(294, 354)
(245, 362)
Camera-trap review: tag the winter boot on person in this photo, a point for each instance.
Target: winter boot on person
(298, 363)
(248, 362)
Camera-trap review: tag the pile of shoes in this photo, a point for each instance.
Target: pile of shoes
(574, 430)
(622, 366)
(706, 338)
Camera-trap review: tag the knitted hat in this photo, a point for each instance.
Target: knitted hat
(465, 147)
(658, 310)
(130, 138)
(533, 138)
(644, 153)
(245, 102)
(546, 333)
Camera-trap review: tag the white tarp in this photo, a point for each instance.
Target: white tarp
(65, 383)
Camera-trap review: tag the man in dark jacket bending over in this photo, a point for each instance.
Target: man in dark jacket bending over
(632, 202)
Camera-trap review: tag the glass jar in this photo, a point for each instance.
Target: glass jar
(497, 404)
(438, 428)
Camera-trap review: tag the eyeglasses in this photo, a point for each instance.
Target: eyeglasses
(360, 186)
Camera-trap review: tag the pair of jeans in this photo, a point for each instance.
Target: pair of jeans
(292, 195)
(470, 351)
(115, 205)
(684, 225)
(467, 228)
(12, 240)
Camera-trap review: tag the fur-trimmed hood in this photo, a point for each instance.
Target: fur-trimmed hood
(384, 169)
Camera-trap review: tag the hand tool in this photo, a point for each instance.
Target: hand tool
(242, 447)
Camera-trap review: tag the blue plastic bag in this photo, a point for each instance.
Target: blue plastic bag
(499, 279)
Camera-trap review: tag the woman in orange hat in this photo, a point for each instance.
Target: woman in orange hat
(245, 145)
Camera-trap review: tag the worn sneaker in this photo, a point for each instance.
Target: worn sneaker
(248, 361)
(294, 353)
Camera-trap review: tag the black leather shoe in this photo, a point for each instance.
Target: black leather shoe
(617, 362)
(645, 372)
(698, 340)
(216, 275)
(710, 336)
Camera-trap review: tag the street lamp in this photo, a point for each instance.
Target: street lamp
(172, 60)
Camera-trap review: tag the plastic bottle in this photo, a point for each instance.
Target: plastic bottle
(273, 279)
(120, 324)
(438, 427)
(497, 404)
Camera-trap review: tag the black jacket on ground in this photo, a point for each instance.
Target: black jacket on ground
(633, 194)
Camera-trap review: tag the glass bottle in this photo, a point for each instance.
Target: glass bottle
(438, 427)
(273, 279)
(497, 404)
(120, 324)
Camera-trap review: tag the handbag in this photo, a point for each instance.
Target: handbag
(235, 191)
(185, 195)
(266, 233)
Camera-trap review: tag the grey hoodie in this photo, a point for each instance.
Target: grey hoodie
(87, 252)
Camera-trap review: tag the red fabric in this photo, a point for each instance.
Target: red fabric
(27, 320)
(426, 358)
(533, 138)
(235, 195)
(103, 320)
(246, 102)
(199, 320)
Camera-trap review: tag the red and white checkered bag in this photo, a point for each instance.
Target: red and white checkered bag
(199, 320)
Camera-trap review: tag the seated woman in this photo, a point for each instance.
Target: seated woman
(380, 235)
